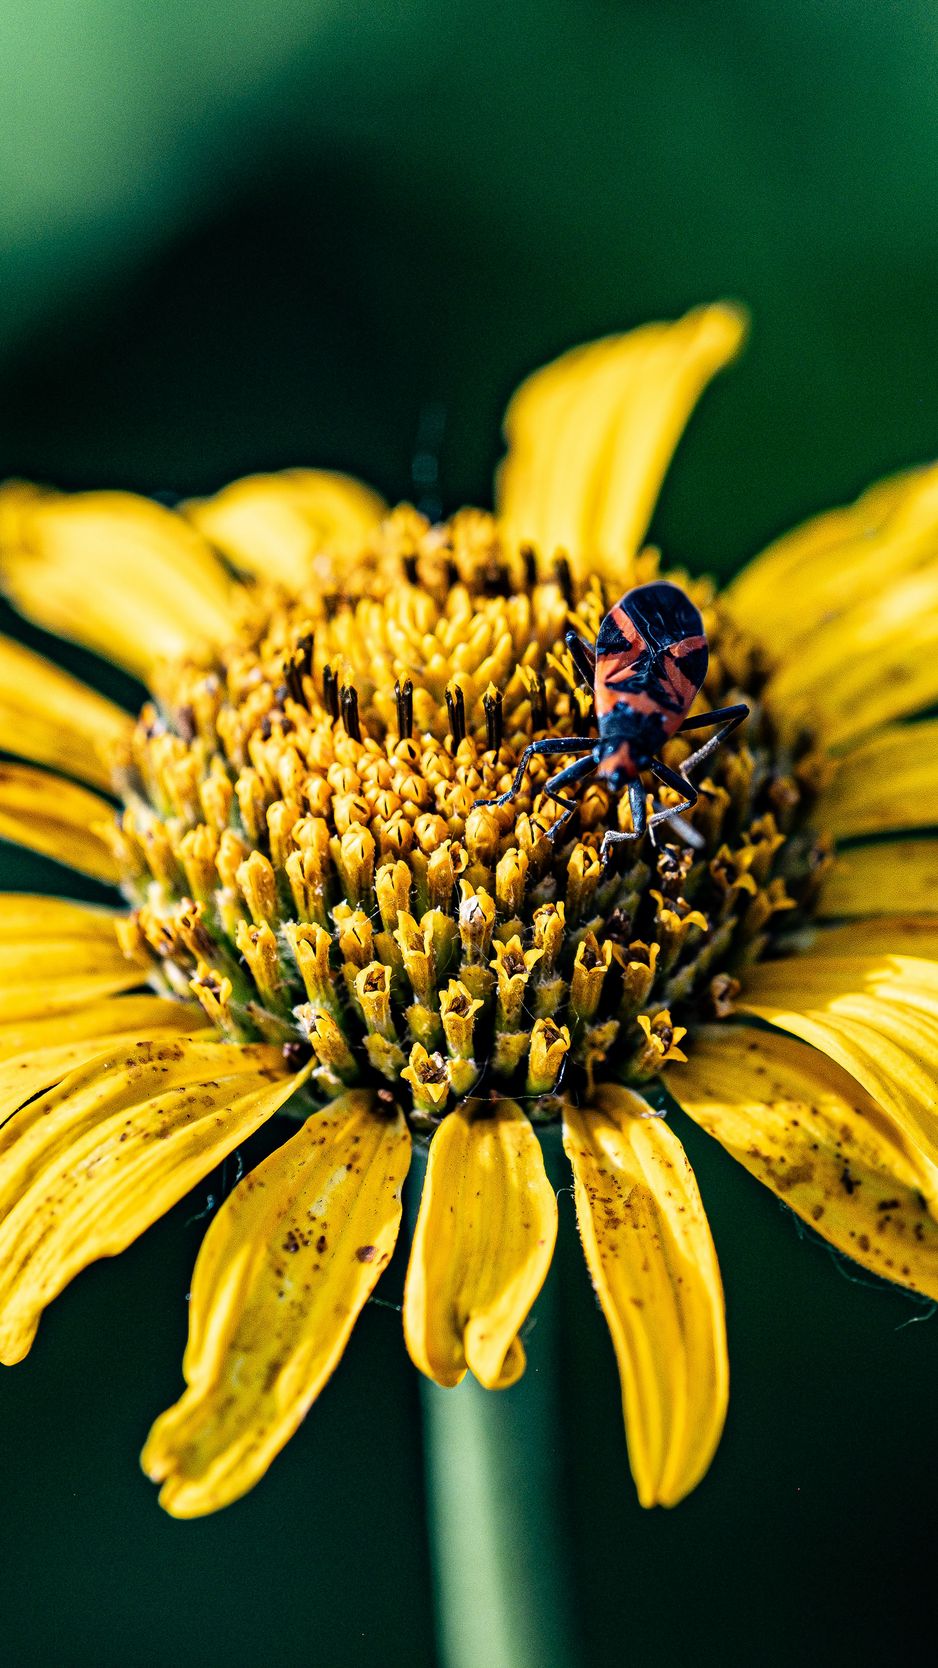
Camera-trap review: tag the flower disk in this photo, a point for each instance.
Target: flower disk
(304, 843)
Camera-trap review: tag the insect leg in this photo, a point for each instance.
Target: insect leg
(728, 718)
(615, 836)
(673, 779)
(583, 656)
(700, 720)
(540, 750)
(565, 778)
(680, 784)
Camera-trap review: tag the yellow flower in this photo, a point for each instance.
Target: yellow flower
(320, 919)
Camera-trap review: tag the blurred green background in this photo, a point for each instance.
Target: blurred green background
(241, 236)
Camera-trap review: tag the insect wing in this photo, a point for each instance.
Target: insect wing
(651, 652)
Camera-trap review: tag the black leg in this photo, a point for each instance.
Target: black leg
(671, 779)
(551, 745)
(566, 778)
(640, 821)
(583, 656)
(701, 720)
(728, 718)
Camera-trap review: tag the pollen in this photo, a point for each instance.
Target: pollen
(306, 855)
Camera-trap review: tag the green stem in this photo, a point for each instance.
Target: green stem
(501, 1575)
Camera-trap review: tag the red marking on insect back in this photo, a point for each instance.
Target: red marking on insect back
(651, 659)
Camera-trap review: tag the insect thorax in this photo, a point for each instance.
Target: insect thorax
(645, 732)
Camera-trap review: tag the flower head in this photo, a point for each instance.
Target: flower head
(323, 919)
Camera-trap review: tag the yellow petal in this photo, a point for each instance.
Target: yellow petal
(55, 953)
(906, 935)
(34, 915)
(837, 559)
(836, 976)
(106, 1017)
(41, 1055)
(276, 525)
(119, 573)
(284, 1271)
(652, 1261)
(876, 1025)
(17, 501)
(53, 719)
(591, 435)
(895, 877)
(889, 781)
(876, 661)
(57, 818)
(88, 1166)
(482, 1246)
(809, 1132)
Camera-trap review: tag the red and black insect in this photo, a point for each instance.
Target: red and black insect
(649, 661)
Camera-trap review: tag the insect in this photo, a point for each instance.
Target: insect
(648, 663)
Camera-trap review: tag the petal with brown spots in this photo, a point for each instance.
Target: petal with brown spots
(88, 1166)
(285, 1269)
(808, 1131)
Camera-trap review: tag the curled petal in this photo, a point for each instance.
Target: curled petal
(838, 980)
(876, 661)
(88, 1166)
(808, 1131)
(482, 1246)
(35, 916)
(591, 435)
(284, 1271)
(906, 935)
(652, 1261)
(105, 1017)
(36, 1054)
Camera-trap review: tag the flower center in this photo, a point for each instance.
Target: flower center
(307, 858)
